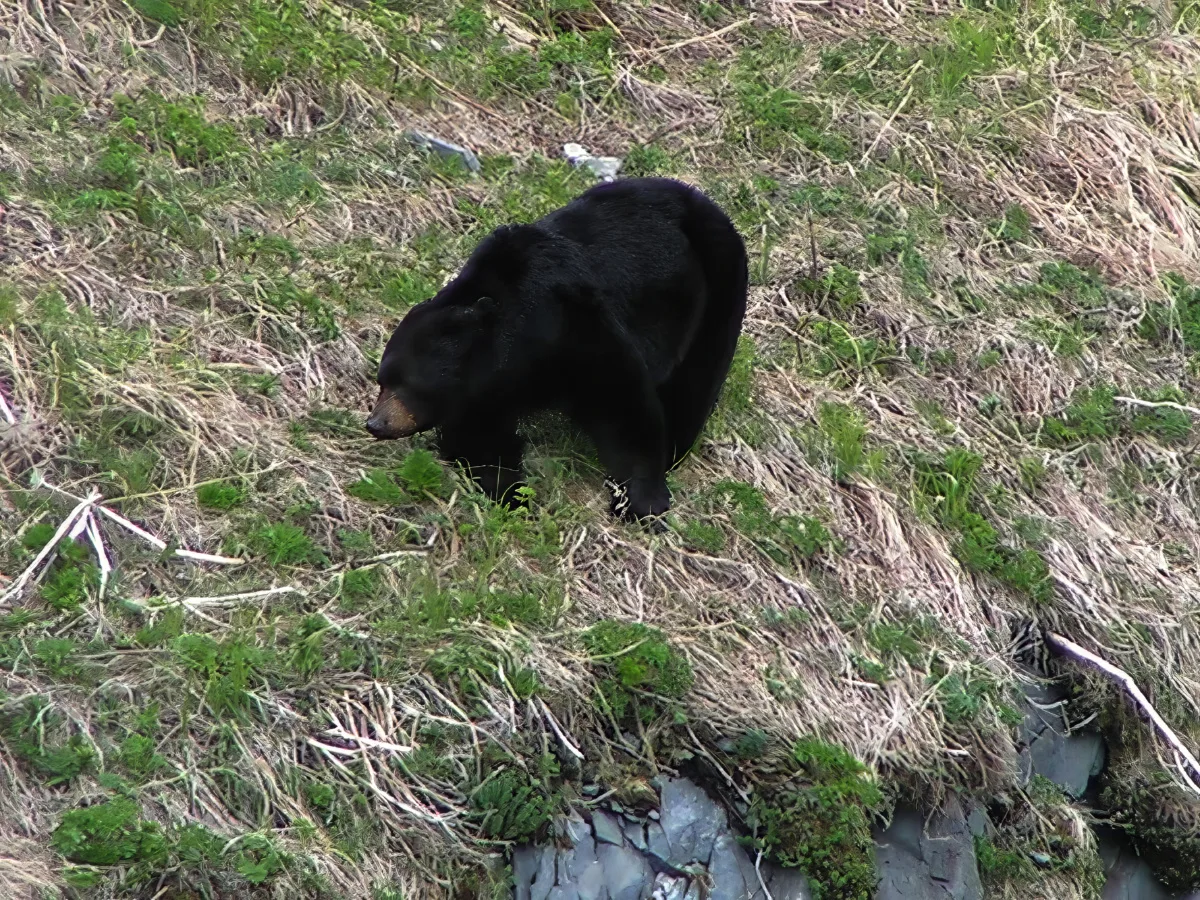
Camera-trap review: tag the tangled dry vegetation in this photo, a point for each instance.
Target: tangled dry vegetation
(965, 400)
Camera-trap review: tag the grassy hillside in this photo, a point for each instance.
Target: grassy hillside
(963, 400)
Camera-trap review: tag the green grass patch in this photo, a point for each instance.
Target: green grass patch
(838, 443)
(284, 544)
(837, 287)
(1093, 416)
(785, 539)
(220, 495)
(1179, 319)
(178, 127)
(38, 735)
(223, 669)
(73, 577)
(775, 115)
(948, 485)
(640, 672)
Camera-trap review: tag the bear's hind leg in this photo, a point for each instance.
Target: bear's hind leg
(490, 452)
(689, 396)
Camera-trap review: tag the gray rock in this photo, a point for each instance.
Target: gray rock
(606, 828)
(526, 865)
(603, 167)
(543, 880)
(1126, 875)
(934, 862)
(949, 850)
(1132, 879)
(1070, 761)
(636, 835)
(670, 887)
(977, 819)
(612, 858)
(726, 872)
(575, 828)
(445, 148)
(574, 865)
(691, 821)
(786, 884)
(627, 873)
(590, 879)
(656, 839)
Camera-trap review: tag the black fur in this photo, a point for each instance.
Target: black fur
(622, 309)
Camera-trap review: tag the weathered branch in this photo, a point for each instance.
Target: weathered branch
(1123, 678)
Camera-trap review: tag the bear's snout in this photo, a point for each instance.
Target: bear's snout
(390, 418)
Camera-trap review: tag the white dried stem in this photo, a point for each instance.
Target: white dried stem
(157, 543)
(93, 531)
(1123, 678)
(1134, 401)
(6, 410)
(67, 524)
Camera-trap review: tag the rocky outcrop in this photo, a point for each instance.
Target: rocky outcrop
(685, 851)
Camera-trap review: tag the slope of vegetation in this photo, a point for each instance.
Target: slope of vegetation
(966, 395)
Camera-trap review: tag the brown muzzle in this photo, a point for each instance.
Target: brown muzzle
(390, 418)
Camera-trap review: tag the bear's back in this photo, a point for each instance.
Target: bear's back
(635, 237)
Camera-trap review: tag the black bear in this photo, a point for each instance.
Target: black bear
(622, 309)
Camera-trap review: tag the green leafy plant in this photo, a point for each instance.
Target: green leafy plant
(257, 858)
(307, 641)
(817, 821)
(782, 538)
(837, 443)
(421, 474)
(377, 486)
(55, 654)
(108, 834)
(37, 536)
(31, 729)
(837, 285)
(158, 11)
(225, 668)
(511, 806)
(177, 127)
(72, 578)
(1015, 227)
(220, 495)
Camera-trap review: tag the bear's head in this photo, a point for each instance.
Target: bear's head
(425, 373)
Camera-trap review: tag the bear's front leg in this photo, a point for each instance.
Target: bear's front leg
(491, 453)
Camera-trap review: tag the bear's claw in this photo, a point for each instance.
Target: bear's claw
(634, 501)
